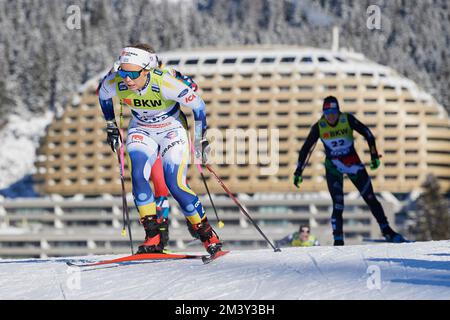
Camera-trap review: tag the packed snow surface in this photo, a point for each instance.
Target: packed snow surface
(418, 270)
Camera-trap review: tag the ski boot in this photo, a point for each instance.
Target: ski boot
(164, 231)
(153, 243)
(194, 234)
(338, 240)
(208, 236)
(392, 236)
(162, 209)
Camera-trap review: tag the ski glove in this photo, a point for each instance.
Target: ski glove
(298, 176)
(374, 163)
(113, 135)
(202, 150)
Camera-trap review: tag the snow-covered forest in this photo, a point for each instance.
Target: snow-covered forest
(45, 54)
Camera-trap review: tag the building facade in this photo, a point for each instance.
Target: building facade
(261, 103)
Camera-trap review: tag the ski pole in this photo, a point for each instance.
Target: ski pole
(309, 156)
(220, 223)
(120, 158)
(241, 208)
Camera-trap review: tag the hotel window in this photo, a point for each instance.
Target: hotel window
(249, 60)
(173, 62)
(287, 59)
(304, 100)
(210, 61)
(390, 164)
(229, 60)
(306, 60)
(411, 164)
(268, 60)
(191, 62)
(323, 60)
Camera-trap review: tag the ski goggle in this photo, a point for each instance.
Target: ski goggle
(330, 111)
(131, 74)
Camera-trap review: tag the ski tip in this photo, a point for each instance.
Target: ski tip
(210, 258)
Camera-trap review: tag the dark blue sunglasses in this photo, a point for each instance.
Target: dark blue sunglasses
(131, 74)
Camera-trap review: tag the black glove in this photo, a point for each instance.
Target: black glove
(202, 150)
(113, 135)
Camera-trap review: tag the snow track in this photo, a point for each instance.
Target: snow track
(418, 270)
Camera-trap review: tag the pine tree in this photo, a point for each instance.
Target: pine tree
(432, 217)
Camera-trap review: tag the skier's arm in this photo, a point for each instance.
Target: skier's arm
(173, 89)
(312, 138)
(106, 91)
(363, 130)
(285, 241)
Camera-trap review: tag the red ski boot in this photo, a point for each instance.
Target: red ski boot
(208, 236)
(153, 243)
